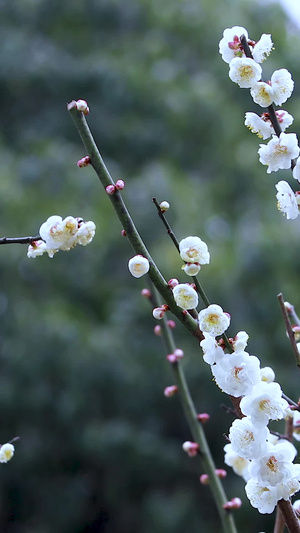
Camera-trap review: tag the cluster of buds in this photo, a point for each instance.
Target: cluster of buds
(282, 151)
(61, 234)
(118, 186)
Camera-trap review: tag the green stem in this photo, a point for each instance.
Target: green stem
(197, 431)
(127, 222)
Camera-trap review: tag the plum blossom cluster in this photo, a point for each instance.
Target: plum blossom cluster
(264, 461)
(282, 151)
(195, 253)
(61, 234)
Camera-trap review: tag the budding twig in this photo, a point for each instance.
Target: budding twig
(19, 240)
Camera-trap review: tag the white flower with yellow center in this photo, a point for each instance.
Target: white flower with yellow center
(185, 296)
(286, 200)
(194, 250)
(138, 266)
(264, 403)
(244, 71)
(279, 152)
(213, 320)
(6, 452)
(262, 94)
(246, 439)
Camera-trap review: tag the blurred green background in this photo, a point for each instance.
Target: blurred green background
(81, 372)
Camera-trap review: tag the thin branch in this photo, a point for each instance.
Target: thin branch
(289, 328)
(19, 240)
(289, 516)
(127, 222)
(194, 278)
(197, 431)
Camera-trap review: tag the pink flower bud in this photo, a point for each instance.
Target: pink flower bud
(171, 324)
(173, 282)
(170, 391)
(221, 473)
(110, 189)
(84, 162)
(120, 184)
(235, 503)
(158, 313)
(179, 353)
(123, 233)
(204, 479)
(157, 331)
(203, 417)
(191, 448)
(82, 106)
(146, 293)
(172, 358)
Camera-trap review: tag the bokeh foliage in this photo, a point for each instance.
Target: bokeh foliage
(82, 375)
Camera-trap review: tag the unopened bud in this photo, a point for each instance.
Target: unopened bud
(157, 331)
(170, 391)
(179, 353)
(171, 324)
(191, 448)
(82, 106)
(221, 473)
(164, 206)
(146, 293)
(204, 479)
(296, 331)
(235, 503)
(123, 233)
(191, 269)
(173, 282)
(84, 162)
(110, 189)
(120, 184)
(158, 313)
(203, 417)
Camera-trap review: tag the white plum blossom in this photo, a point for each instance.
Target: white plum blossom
(237, 373)
(262, 93)
(275, 466)
(85, 233)
(296, 506)
(256, 124)
(286, 200)
(283, 85)
(238, 464)
(230, 45)
(244, 71)
(138, 266)
(262, 48)
(284, 118)
(240, 341)
(248, 440)
(36, 248)
(212, 352)
(267, 374)
(264, 403)
(62, 234)
(261, 496)
(6, 452)
(213, 320)
(279, 152)
(194, 250)
(191, 269)
(185, 296)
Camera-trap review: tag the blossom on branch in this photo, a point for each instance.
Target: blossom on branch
(138, 266)
(194, 250)
(185, 296)
(230, 46)
(213, 320)
(6, 452)
(244, 71)
(286, 200)
(279, 152)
